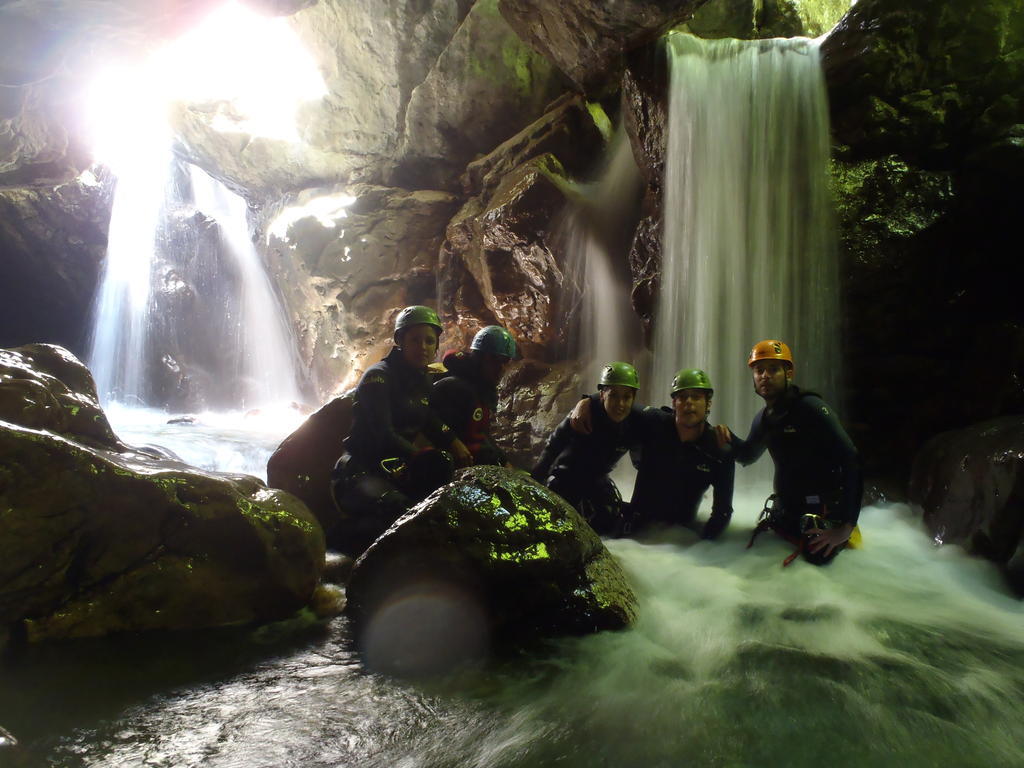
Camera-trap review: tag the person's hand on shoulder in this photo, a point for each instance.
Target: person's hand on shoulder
(579, 419)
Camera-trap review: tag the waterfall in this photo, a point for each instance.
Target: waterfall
(749, 247)
(595, 297)
(117, 355)
(186, 317)
(267, 367)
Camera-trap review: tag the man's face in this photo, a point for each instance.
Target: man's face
(617, 401)
(771, 378)
(691, 406)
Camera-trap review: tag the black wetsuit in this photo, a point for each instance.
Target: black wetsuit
(576, 466)
(672, 475)
(382, 472)
(817, 468)
(466, 403)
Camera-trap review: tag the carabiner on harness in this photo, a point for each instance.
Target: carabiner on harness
(765, 519)
(393, 466)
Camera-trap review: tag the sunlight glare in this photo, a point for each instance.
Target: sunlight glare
(255, 66)
(326, 210)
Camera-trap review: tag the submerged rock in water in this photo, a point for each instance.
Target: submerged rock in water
(98, 537)
(970, 484)
(492, 559)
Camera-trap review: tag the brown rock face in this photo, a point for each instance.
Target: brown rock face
(970, 484)
(100, 538)
(498, 264)
(343, 282)
(535, 397)
(490, 561)
(587, 40)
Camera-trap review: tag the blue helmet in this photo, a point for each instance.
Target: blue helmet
(496, 340)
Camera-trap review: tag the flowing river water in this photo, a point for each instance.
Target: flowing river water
(902, 653)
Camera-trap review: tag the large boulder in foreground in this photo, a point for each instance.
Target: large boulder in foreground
(490, 560)
(970, 484)
(97, 537)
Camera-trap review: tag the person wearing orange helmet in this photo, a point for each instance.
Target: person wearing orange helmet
(818, 481)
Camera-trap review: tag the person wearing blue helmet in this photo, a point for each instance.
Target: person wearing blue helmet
(466, 399)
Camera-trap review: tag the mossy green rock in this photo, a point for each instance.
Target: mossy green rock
(97, 537)
(926, 80)
(518, 555)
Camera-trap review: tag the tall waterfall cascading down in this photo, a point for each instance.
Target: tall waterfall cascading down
(186, 317)
(117, 355)
(749, 244)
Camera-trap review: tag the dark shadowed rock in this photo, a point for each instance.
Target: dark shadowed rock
(52, 244)
(492, 560)
(566, 130)
(925, 80)
(303, 462)
(587, 40)
(970, 484)
(98, 537)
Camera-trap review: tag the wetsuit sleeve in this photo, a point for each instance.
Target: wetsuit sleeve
(557, 443)
(723, 483)
(377, 435)
(649, 426)
(437, 431)
(452, 402)
(748, 451)
(844, 455)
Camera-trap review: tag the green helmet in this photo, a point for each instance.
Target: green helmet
(621, 374)
(692, 378)
(416, 315)
(496, 340)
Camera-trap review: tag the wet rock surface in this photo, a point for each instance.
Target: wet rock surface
(491, 560)
(587, 40)
(970, 485)
(345, 277)
(501, 264)
(534, 398)
(98, 537)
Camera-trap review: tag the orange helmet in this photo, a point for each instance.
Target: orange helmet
(770, 349)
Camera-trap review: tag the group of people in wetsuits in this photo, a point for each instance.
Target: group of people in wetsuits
(411, 430)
